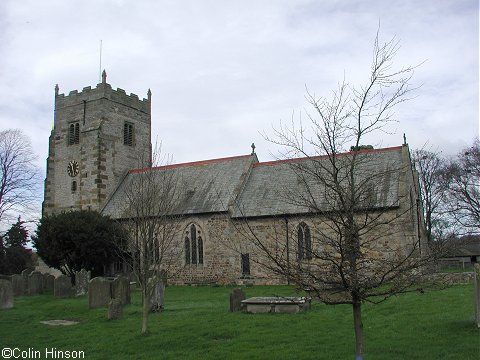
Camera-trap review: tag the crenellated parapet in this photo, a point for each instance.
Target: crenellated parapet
(103, 90)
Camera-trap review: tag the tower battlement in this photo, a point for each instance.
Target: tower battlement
(102, 90)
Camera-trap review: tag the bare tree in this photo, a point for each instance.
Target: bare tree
(150, 197)
(349, 255)
(431, 168)
(19, 175)
(462, 178)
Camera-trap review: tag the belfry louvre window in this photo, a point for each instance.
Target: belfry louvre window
(304, 242)
(74, 133)
(128, 134)
(193, 245)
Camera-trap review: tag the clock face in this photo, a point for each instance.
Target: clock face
(72, 168)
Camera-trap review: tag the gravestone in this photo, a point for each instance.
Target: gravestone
(62, 286)
(121, 289)
(35, 283)
(82, 278)
(25, 274)
(6, 294)
(48, 281)
(18, 285)
(115, 309)
(99, 292)
(157, 301)
(236, 297)
(476, 286)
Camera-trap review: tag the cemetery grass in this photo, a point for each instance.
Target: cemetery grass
(197, 324)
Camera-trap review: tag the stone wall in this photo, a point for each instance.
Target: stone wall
(224, 244)
(451, 278)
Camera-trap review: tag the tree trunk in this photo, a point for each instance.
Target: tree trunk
(146, 312)
(357, 323)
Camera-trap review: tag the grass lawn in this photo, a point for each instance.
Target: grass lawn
(197, 325)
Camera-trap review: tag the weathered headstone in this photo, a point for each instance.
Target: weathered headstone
(6, 294)
(62, 286)
(48, 281)
(121, 289)
(157, 301)
(18, 285)
(82, 278)
(236, 297)
(476, 281)
(115, 309)
(99, 292)
(35, 283)
(25, 274)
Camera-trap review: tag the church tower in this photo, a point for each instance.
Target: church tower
(98, 135)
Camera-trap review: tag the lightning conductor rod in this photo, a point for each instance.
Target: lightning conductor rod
(100, 68)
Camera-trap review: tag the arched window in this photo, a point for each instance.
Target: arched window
(193, 245)
(74, 186)
(304, 242)
(74, 134)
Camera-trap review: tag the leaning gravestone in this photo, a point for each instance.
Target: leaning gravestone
(25, 274)
(99, 292)
(82, 278)
(48, 281)
(17, 285)
(157, 301)
(236, 297)
(115, 309)
(6, 294)
(121, 289)
(62, 286)
(35, 283)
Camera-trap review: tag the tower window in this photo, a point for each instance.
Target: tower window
(128, 134)
(193, 245)
(74, 133)
(74, 186)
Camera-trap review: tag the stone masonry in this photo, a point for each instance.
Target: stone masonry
(103, 159)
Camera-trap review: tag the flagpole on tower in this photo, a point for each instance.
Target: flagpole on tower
(100, 68)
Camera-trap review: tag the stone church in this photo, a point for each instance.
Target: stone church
(100, 134)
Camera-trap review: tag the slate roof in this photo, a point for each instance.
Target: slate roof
(205, 186)
(265, 189)
(272, 186)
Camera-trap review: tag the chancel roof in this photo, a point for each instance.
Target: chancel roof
(247, 188)
(297, 186)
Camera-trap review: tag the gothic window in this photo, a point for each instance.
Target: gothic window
(128, 134)
(74, 133)
(304, 242)
(193, 245)
(187, 249)
(245, 264)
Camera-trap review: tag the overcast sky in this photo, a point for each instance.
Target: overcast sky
(222, 72)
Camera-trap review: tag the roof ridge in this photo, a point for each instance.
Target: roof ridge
(191, 163)
(364, 151)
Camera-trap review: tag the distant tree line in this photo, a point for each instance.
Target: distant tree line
(450, 189)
